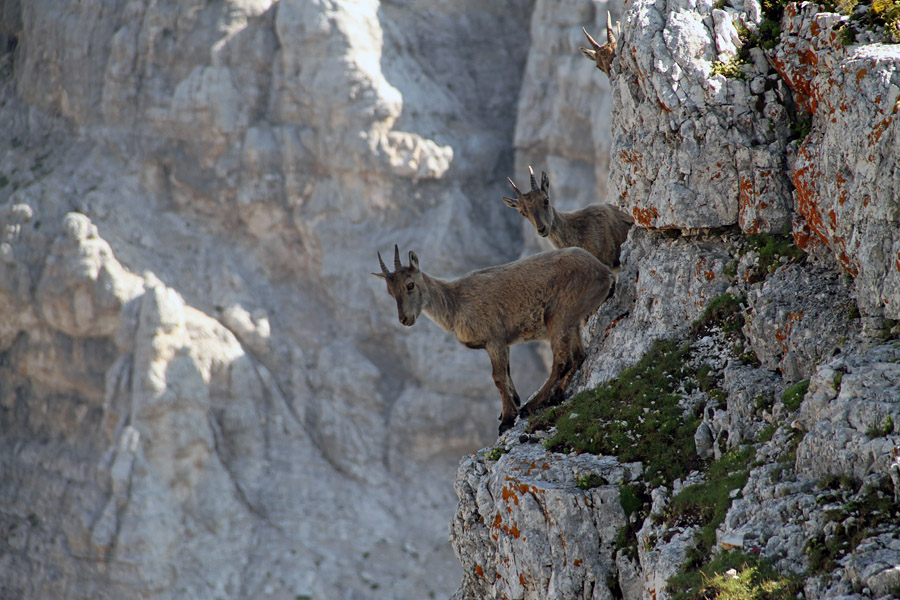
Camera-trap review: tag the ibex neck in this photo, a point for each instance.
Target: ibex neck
(559, 228)
(440, 306)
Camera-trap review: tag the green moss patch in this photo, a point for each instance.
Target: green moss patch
(706, 504)
(635, 417)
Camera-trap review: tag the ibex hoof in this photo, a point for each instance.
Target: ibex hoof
(526, 411)
(506, 426)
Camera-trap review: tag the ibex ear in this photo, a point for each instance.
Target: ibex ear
(510, 202)
(379, 275)
(413, 261)
(545, 182)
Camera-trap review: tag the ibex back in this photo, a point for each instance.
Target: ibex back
(542, 297)
(600, 229)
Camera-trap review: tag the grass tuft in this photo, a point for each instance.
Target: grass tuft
(793, 396)
(735, 575)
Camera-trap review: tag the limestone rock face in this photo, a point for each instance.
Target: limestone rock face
(204, 393)
(692, 148)
(799, 144)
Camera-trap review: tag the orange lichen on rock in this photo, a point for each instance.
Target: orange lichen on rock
(782, 335)
(479, 571)
(879, 129)
(644, 216)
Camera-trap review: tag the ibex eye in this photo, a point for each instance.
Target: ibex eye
(410, 286)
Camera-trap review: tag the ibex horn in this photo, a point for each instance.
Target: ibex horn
(515, 189)
(384, 268)
(397, 264)
(534, 185)
(610, 37)
(592, 40)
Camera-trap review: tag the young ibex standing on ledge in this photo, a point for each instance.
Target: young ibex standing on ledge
(600, 229)
(544, 296)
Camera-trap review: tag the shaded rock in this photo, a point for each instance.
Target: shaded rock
(792, 332)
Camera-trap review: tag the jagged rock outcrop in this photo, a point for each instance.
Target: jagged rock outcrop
(510, 547)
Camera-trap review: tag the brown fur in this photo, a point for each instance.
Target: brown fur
(600, 229)
(542, 297)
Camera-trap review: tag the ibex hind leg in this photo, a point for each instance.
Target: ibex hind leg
(553, 390)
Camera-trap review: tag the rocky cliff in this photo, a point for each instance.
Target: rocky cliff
(204, 394)
(735, 421)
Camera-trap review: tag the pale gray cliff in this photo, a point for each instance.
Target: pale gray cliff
(203, 392)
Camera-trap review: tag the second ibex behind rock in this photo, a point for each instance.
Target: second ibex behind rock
(600, 229)
(544, 296)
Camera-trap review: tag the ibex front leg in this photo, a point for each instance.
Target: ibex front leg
(508, 396)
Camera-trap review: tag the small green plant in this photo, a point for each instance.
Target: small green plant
(887, 13)
(800, 127)
(838, 378)
(735, 575)
(848, 35)
(631, 498)
(772, 249)
(4, 181)
(793, 396)
(590, 481)
(495, 453)
(866, 513)
(763, 402)
(730, 68)
(769, 33)
(886, 427)
(730, 269)
(846, 7)
(724, 312)
(765, 434)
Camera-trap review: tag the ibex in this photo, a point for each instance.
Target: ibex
(600, 229)
(543, 296)
(602, 55)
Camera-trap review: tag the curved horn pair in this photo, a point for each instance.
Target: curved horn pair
(397, 264)
(534, 184)
(610, 36)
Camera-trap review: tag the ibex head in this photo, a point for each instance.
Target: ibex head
(602, 55)
(405, 285)
(535, 205)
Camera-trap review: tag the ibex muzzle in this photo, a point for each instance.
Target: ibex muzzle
(544, 296)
